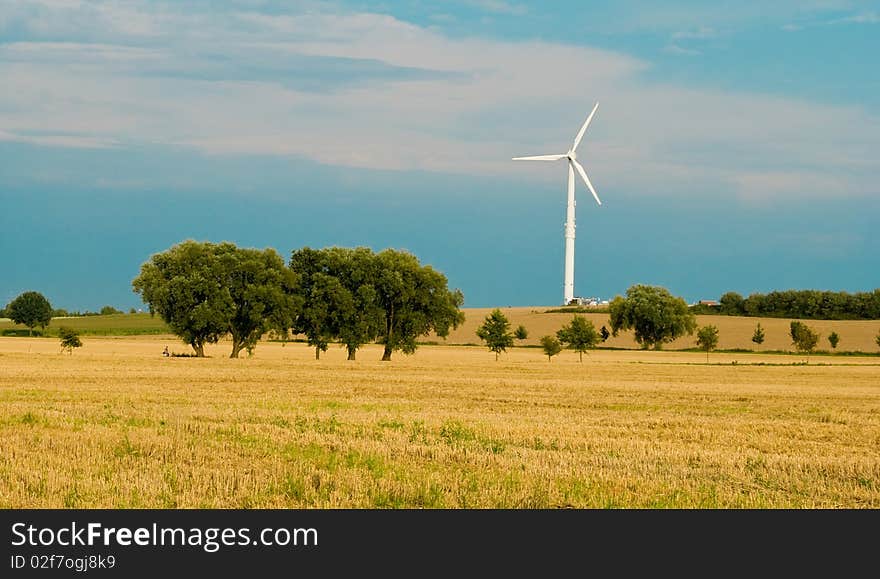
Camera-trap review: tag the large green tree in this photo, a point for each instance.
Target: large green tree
(326, 301)
(206, 291)
(579, 335)
(31, 309)
(361, 316)
(656, 316)
(732, 304)
(262, 291)
(415, 300)
(495, 331)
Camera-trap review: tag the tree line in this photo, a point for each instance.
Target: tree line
(799, 304)
(352, 296)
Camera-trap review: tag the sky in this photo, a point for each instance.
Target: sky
(735, 147)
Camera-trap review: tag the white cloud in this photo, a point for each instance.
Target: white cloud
(480, 103)
(676, 49)
(699, 33)
(864, 18)
(498, 6)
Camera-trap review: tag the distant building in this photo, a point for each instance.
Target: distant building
(581, 301)
(708, 303)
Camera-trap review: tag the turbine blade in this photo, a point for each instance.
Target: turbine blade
(586, 180)
(540, 158)
(580, 135)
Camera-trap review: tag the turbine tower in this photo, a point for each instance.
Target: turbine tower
(571, 155)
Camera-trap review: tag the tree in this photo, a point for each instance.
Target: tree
(758, 336)
(656, 316)
(31, 309)
(415, 300)
(732, 304)
(579, 335)
(833, 339)
(495, 331)
(324, 298)
(109, 310)
(361, 316)
(551, 346)
(803, 338)
(604, 333)
(69, 339)
(262, 294)
(707, 339)
(205, 291)
(521, 333)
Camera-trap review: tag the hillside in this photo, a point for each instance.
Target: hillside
(734, 332)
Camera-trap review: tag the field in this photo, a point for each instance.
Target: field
(110, 325)
(115, 425)
(734, 332)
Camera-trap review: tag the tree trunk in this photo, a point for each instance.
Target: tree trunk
(496, 356)
(580, 357)
(199, 349)
(389, 328)
(351, 352)
(317, 352)
(237, 347)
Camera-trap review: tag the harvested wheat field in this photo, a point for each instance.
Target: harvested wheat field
(116, 425)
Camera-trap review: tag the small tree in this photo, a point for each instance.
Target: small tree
(833, 339)
(707, 339)
(604, 333)
(551, 346)
(69, 339)
(495, 331)
(31, 309)
(758, 336)
(580, 335)
(803, 338)
(109, 311)
(521, 333)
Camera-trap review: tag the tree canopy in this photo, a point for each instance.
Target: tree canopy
(31, 309)
(495, 331)
(340, 301)
(579, 335)
(656, 316)
(707, 339)
(205, 291)
(69, 339)
(758, 336)
(415, 300)
(803, 337)
(551, 346)
(833, 339)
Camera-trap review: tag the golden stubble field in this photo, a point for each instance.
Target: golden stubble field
(117, 425)
(733, 331)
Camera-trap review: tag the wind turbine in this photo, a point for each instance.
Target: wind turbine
(568, 282)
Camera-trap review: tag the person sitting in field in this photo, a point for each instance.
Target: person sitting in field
(165, 352)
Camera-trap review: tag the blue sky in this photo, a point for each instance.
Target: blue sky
(734, 148)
